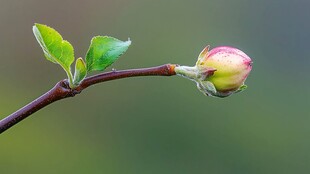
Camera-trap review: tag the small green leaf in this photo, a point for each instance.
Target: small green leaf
(80, 71)
(104, 51)
(241, 88)
(55, 49)
(209, 87)
(203, 54)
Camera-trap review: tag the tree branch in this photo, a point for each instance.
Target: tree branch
(62, 90)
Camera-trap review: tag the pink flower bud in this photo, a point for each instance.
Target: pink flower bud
(232, 67)
(219, 72)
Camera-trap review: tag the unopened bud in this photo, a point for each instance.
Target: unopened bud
(219, 72)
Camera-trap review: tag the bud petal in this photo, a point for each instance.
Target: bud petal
(233, 67)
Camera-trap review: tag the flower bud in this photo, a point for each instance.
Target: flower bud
(219, 72)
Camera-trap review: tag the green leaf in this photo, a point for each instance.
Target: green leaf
(209, 87)
(203, 54)
(55, 49)
(104, 51)
(80, 71)
(242, 88)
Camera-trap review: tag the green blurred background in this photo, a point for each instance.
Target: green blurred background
(152, 125)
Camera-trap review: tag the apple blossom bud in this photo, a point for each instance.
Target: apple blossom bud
(219, 72)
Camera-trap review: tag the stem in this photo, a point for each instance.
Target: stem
(62, 90)
(187, 72)
(70, 78)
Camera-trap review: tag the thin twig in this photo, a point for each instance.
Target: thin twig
(62, 90)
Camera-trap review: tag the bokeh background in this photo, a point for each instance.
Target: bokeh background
(151, 125)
